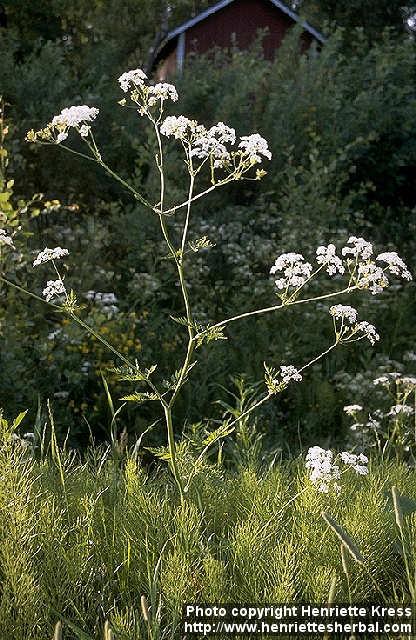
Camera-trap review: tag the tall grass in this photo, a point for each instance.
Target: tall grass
(82, 541)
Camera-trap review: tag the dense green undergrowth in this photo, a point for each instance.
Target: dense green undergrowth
(82, 541)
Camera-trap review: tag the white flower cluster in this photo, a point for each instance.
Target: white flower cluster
(5, 239)
(372, 277)
(276, 381)
(386, 379)
(57, 130)
(74, 117)
(358, 463)
(135, 77)
(161, 91)
(50, 254)
(142, 93)
(254, 146)
(352, 409)
(212, 143)
(343, 312)
(294, 269)
(327, 256)
(324, 471)
(365, 272)
(289, 373)
(53, 288)
(395, 264)
(360, 248)
(368, 331)
(353, 331)
(179, 127)
(407, 381)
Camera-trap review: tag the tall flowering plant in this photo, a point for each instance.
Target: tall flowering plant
(226, 158)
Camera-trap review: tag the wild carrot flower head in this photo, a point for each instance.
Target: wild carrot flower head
(74, 116)
(57, 130)
(400, 409)
(276, 381)
(212, 142)
(179, 127)
(327, 256)
(254, 146)
(324, 470)
(161, 91)
(135, 77)
(407, 381)
(352, 409)
(368, 331)
(290, 373)
(347, 328)
(359, 248)
(50, 254)
(395, 264)
(343, 312)
(294, 270)
(371, 276)
(386, 379)
(357, 462)
(143, 94)
(53, 288)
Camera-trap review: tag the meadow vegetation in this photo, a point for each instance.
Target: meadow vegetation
(83, 540)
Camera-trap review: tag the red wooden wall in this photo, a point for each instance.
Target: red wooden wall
(242, 18)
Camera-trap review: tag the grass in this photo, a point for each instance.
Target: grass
(81, 541)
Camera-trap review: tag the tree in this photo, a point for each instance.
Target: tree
(372, 15)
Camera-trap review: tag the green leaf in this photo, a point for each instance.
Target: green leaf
(345, 538)
(181, 320)
(133, 374)
(19, 419)
(222, 432)
(159, 452)
(140, 397)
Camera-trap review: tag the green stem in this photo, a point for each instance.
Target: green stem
(168, 407)
(191, 330)
(277, 307)
(172, 450)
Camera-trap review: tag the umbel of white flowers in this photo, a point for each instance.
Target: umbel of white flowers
(216, 143)
(357, 260)
(324, 470)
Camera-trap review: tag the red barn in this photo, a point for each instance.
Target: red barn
(228, 19)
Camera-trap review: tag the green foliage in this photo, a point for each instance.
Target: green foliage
(373, 16)
(85, 549)
(341, 130)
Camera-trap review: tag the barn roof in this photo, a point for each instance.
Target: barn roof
(224, 3)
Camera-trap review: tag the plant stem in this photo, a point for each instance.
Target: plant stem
(191, 330)
(178, 261)
(172, 450)
(277, 307)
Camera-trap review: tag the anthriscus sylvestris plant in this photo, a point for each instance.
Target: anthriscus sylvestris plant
(226, 158)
